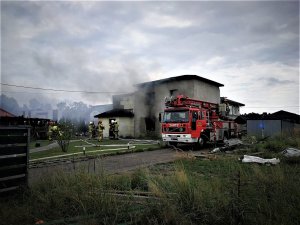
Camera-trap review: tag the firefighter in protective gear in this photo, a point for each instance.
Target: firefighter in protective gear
(111, 129)
(116, 130)
(54, 131)
(91, 130)
(101, 127)
(50, 130)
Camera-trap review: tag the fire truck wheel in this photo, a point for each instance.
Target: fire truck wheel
(200, 143)
(225, 138)
(171, 143)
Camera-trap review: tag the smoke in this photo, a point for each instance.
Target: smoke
(10, 105)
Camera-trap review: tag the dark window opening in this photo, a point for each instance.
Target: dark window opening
(173, 92)
(150, 124)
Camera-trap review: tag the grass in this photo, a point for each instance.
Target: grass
(219, 190)
(88, 150)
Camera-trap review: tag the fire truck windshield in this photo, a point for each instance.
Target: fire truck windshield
(176, 116)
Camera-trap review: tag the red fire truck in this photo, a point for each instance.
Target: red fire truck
(187, 120)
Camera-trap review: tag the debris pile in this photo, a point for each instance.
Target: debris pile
(291, 152)
(255, 159)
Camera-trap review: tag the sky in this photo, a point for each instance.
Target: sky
(108, 47)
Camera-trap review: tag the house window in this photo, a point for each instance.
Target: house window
(150, 124)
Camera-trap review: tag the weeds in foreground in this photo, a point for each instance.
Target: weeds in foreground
(191, 191)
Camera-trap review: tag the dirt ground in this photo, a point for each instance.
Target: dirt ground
(108, 164)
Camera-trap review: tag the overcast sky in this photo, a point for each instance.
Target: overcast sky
(250, 47)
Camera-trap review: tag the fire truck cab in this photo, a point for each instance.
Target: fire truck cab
(187, 120)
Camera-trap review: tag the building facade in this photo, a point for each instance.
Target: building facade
(149, 99)
(125, 119)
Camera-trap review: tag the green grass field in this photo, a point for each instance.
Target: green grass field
(106, 146)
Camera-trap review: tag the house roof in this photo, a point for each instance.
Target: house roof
(4, 113)
(180, 78)
(231, 102)
(286, 116)
(115, 113)
(279, 115)
(241, 119)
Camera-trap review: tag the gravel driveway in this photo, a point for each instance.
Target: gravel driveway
(109, 164)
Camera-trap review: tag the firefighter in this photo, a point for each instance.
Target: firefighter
(116, 130)
(227, 108)
(53, 131)
(50, 130)
(111, 129)
(101, 127)
(91, 130)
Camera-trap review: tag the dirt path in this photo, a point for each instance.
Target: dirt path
(109, 164)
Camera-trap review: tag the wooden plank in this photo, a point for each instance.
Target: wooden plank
(13, 139)
(13, 161)
(9, 150)
(11, 191)
(11, 171)
(17, 181)
(13, 131)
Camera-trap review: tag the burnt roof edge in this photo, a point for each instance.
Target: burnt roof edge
(178, 78)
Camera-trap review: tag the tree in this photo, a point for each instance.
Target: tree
(63, 136)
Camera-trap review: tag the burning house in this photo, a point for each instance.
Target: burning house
(147, 102)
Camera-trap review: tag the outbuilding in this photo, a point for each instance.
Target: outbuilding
(278, 123)
(125, 119)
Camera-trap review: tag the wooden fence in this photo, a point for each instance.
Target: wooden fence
(14, 155)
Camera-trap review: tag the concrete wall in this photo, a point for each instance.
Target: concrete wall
(149, 101)
(206, 92)
(126, 125)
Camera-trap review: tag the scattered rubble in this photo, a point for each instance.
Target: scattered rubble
(255, 159)
(291, 152)
(233, 142)
(229, 145)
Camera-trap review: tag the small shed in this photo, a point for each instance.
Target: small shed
(125, 119)
(278, 123)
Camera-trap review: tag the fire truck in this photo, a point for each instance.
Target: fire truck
(187, 120)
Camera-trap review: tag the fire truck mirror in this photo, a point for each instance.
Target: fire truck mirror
(195, 116)
(194, 119)
(160, 116)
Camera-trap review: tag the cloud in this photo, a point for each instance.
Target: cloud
(166, 21)
(274, 81)
(251, 47)
(214, 61)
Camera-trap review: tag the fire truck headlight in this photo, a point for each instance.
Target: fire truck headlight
(180, 129)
